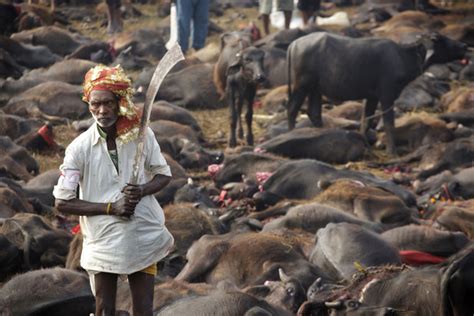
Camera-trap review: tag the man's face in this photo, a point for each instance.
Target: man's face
(103, 106)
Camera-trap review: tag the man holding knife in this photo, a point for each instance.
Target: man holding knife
(122, 223)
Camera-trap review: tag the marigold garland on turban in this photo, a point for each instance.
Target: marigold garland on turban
(113, 79)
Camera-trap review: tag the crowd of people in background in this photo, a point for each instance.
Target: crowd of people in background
(192, 18)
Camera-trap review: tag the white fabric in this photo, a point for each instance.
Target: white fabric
(67, 183)
(173, 27)
(277, 18)
(112, 244)
(339, 18)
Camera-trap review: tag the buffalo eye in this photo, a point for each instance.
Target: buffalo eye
(353, 304)
(290, 291)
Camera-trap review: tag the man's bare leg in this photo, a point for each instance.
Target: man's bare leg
(105, 293)
(114, 17)
(142, 288)
(266, 23)
(287, 19)
(306, 15)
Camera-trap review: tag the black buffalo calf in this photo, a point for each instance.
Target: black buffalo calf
(243, 75)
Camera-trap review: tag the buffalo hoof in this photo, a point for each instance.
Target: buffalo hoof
(371, 136)
(232, 142)
(250, 140)
(240, 133)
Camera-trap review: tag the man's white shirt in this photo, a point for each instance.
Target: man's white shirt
(113, 244)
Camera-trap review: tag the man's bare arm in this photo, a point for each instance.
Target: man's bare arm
(76, 206)
(81, 207)
(158, 182)
(123, 207)
(135, 193)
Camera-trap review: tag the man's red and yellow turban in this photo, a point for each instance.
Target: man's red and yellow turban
(113, 79)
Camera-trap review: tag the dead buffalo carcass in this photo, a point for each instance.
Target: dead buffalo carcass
(426, 239)
(343, 247)
(27, 55)
(314, 143)
(436, 290)
(312, 217)
(19, 154)
(247, 259)
(41, 244)
(231, 304)
(456, 219)
(10, 258)
(51, 292)
(367, 202)
(58, 40)
(304, 179)
(15, 126)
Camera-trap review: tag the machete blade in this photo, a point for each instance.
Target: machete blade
(171, 58)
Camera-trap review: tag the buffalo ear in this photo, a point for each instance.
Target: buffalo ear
(224, 39)
(234, 67)
(427, 40)
(232, 70)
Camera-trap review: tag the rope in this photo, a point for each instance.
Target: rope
(379, 114)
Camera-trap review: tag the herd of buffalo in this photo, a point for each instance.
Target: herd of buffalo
(336, 206)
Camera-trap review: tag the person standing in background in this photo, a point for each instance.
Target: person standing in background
(308, 8)
(196, 11)
(114, 16)
(281, 5)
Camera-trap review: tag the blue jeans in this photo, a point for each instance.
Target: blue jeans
(198, 12)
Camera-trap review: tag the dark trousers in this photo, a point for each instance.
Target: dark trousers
(197, 12)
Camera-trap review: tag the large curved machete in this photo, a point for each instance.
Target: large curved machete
(171, 58)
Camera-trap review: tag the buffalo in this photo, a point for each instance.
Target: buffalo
(342, 68)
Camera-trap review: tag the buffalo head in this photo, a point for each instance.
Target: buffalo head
(442, 49)
(287, 293)
(194, 156)
(249, 61)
